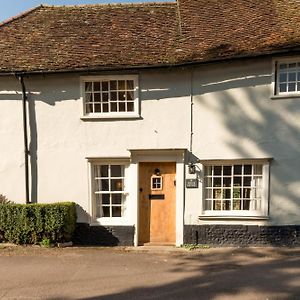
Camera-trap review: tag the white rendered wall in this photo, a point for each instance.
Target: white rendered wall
(234, 118)
(64, 141)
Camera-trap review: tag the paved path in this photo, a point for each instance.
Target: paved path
(97, 273)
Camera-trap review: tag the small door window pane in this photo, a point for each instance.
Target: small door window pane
(156, 182)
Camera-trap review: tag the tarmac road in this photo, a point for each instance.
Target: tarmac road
(159, 273)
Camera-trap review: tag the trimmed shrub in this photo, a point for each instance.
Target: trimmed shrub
(33, 223)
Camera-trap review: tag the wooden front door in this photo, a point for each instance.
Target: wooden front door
(157, 203)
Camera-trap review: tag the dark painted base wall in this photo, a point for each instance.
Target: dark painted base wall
(241, 235)
(103, 236)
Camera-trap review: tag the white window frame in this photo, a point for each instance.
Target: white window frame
(263, 212)
(110, 115)
(109, 220)
(275, 77)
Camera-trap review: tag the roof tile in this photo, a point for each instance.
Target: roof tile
(50, 38)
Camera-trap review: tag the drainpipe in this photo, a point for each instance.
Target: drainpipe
(26, 151)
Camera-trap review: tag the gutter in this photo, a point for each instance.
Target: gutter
(25, 134)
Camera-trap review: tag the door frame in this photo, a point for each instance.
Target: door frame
(154, 155)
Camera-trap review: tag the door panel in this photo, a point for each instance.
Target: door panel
(157, 207)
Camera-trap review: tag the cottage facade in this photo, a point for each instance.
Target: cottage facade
(174, 144)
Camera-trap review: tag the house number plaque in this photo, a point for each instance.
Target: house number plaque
(191, 183)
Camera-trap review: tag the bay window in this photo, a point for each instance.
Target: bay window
(236, 188)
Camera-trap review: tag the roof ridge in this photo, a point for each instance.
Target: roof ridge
(174, 2)
(22, 14)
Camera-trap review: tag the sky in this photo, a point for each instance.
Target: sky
(10, 8)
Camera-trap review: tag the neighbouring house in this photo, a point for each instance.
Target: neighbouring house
(167, 123)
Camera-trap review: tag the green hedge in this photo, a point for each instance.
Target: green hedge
(31, 223)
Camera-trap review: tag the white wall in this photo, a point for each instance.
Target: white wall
(234, 117)
(64, 140)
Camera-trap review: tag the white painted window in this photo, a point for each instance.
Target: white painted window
(108, 190)
(236, 189)
(110, 96)
(287, 77)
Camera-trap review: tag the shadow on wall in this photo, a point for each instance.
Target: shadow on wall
(33, 148)
(237, 95)
(38, 90)
(52, 89)
(255, 126)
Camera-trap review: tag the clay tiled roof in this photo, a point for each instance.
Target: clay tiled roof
(95, 37)
(72, 37)
(219, 29)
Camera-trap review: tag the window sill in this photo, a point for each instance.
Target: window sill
(232, 217)
(104, 221)
(111, 117)
(286, 96)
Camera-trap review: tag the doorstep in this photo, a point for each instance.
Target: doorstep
(156, 248)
